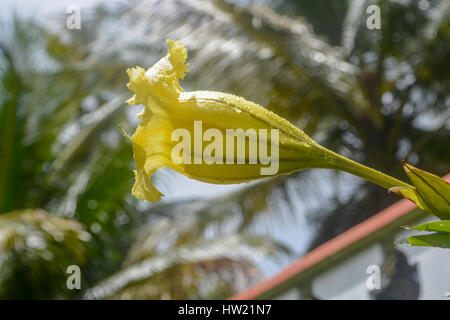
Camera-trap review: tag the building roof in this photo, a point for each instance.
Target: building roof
(394, 214)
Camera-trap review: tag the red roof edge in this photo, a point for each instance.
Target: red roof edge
(330, 248)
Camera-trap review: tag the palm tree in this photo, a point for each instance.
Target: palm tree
(376, 96)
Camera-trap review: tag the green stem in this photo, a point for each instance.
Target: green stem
(369, 174)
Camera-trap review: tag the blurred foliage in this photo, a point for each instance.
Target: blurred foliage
(35, 247)
(377, 96)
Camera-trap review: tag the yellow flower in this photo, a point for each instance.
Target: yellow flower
(170, 114)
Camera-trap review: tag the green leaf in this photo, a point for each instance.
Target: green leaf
(438, 226)
(438, 239)
(432, 191)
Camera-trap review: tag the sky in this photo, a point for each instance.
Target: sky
(295, 235)
(41, 8)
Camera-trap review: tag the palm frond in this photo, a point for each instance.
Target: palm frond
(356, 9)
(234, 247)
(265, 203)
(35, 246)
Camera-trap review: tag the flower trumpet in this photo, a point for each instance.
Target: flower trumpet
(218, 137)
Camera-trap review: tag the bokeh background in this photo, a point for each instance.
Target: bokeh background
(376, 96)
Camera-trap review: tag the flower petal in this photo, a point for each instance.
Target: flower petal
(167, 107)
